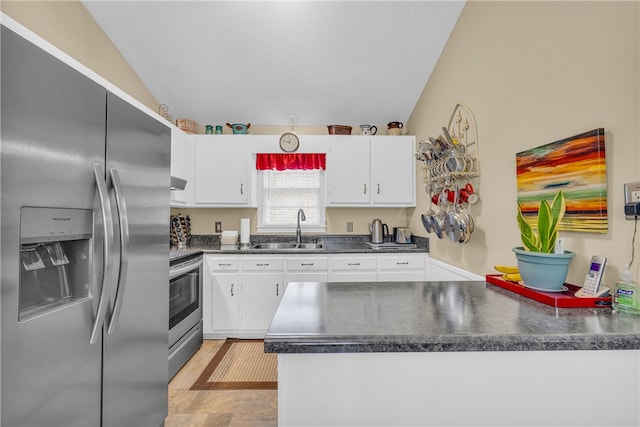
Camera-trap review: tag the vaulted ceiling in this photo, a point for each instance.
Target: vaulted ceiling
(260, 62)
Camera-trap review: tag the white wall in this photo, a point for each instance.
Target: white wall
(534, 73)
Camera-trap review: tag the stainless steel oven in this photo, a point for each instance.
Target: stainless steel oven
(185, 310)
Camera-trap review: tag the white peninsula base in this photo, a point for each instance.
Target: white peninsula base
(493, 388)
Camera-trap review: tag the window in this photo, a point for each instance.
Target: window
(282, 193)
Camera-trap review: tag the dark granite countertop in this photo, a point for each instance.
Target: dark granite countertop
(332, 244)
(436, 316)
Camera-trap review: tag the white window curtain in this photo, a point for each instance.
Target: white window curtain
(282, 193)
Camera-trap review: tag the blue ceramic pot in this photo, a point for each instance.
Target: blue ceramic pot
(239, 128)
(543, 271)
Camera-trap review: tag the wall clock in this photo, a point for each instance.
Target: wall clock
(289, 142)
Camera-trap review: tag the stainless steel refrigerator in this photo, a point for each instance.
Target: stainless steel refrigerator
(84, 219)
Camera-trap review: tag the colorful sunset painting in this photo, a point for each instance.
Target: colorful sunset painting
(575, 165)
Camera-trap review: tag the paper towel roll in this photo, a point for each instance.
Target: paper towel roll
(245, 230)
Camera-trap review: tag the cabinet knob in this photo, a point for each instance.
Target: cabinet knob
(378, 188)
(277, 289)
(241, 188)
(232, 289)
(365, 188)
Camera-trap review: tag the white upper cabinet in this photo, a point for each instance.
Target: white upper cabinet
(182, 166)
(371, 171)
(393, 173)
(222, 170)
(348, 170)
(362, 171)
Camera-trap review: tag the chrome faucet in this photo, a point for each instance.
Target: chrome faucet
(298, 230)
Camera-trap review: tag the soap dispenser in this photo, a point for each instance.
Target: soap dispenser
(626, 295)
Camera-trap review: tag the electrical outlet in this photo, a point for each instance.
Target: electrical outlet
(632, 192)
(349, 227)
(631, 199)
(218, 226)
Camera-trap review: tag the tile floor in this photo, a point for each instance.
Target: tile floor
(217, 408)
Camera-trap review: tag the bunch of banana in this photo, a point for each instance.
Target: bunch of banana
(509, 273)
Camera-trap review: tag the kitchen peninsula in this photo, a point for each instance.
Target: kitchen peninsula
(449, 353)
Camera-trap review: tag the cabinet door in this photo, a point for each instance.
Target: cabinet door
(182, 153)
(348, 171)
(306, 269)
(401, 268)
(225, 291)
(393, 176)
(353, 269)
(222, 170)
(261, 294)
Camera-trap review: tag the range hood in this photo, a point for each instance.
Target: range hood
(177, 183)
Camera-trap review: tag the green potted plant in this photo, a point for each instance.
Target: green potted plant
(539, 266)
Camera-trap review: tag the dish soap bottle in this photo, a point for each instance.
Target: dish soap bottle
(626, 295)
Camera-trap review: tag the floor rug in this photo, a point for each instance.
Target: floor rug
(240, 365)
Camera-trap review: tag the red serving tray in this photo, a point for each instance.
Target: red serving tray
(566, 299)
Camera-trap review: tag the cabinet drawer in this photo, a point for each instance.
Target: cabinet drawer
(402, 263)
(262, 264)
(307, 264)
(353, 263)
(217, 264)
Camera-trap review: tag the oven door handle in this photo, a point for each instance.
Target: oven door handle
(175, 272)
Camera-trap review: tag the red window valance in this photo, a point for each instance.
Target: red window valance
(286, 161)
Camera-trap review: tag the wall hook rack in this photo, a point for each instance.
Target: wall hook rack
(450, 163)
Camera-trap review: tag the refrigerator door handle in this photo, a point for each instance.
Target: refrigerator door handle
(124, 249)
(107, 223)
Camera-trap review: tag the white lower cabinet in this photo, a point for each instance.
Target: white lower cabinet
(401, 268)
(306, 269)
(220, 295)
(262, 287)
(242, 292)
(351, 268)
(225, 292)
(242, 295)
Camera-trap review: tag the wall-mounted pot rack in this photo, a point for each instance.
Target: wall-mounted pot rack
(450, 163)
(454, 157)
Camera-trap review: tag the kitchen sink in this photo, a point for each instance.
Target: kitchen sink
(273, 246)
(309, 246)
